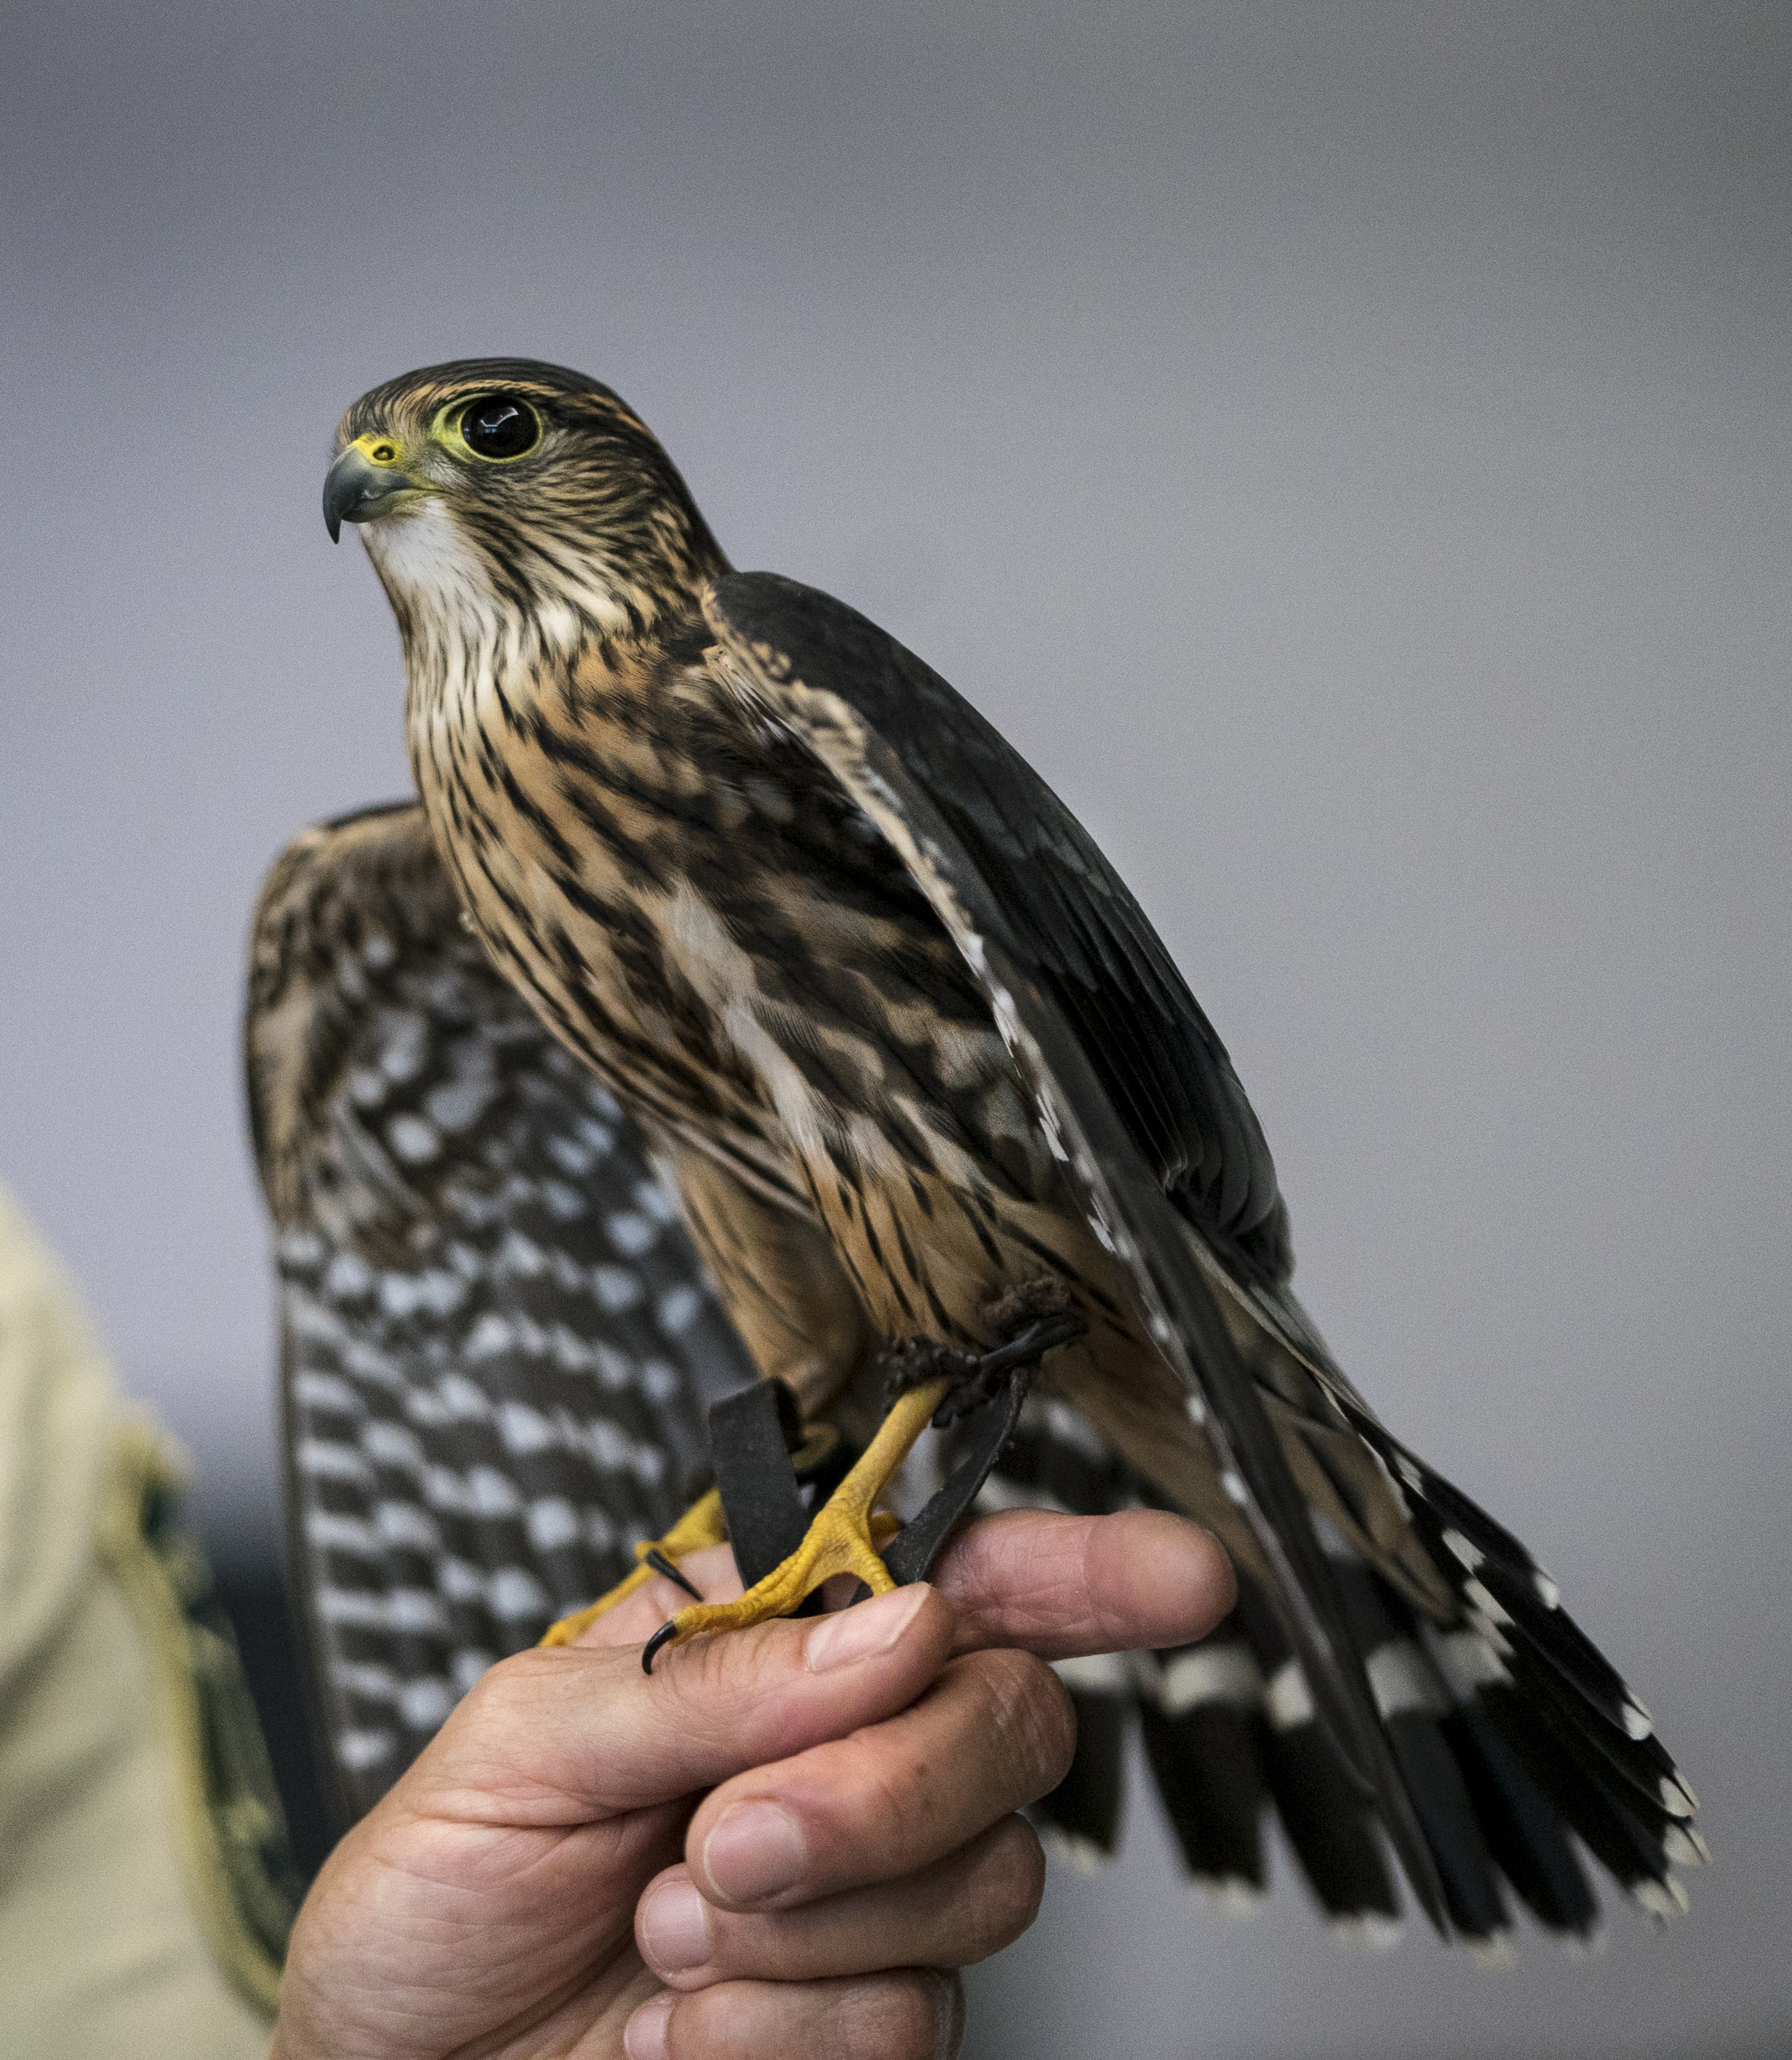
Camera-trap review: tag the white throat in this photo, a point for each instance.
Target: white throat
(423, 554)
(461, 625)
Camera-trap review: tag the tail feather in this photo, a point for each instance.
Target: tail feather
(1627, 1769)
(1513, 1736)
(1504, 1592)
(1568, 1714)
(1084, 1810)
(1523, 1832)
(1452, 1828)
(1502, 1588)
(1329, 1822)
(1203, 1734)
(1333, 1835)
(1412, 1699)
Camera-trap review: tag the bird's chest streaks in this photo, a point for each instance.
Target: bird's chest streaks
(695, 909)
(559, 844)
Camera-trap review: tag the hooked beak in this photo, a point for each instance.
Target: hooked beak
(360, 488)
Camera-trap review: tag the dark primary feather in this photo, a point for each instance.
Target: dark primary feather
(496, 1337)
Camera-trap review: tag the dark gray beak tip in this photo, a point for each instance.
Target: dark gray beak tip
(357, 490)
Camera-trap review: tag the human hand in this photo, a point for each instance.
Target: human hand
(520, 1891)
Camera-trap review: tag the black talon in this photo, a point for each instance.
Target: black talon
(660, 1564)
(657, 1643)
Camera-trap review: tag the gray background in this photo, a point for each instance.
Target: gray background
(1346, 448)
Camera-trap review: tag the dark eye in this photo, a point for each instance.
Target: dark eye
(499, 427)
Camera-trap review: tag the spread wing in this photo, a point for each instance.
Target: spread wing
(496, 1340)
(1132, 1087)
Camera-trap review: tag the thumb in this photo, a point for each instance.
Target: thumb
(576, 1734)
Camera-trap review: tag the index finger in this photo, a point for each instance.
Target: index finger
(1061, 1586)
(1064, 1586)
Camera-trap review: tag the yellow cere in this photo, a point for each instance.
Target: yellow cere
(377, 450)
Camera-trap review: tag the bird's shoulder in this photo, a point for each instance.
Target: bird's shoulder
(657, 721)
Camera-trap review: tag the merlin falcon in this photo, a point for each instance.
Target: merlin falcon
(734, 999)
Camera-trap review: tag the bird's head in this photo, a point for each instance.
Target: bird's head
(499, 493)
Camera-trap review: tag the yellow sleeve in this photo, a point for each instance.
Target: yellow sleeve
(130, 1920)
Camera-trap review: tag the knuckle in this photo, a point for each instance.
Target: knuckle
(512, 1684)
(1017, 1884)
(1002, 1895)
(729, 1673)
(1028, 1716)
(917, 2013)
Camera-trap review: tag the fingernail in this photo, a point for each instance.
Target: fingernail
(644, 2036)
(757, 1849)
(673, 1928)
(865, 1631)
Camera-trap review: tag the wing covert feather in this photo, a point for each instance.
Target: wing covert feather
(1068, 918)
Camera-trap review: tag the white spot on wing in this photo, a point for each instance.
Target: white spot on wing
(1470, 1555)
(459, 1106)
(467, 1666)
(1664, 1899)
(677, 1308)
(631, 1234)
(326, 1391)
(516, 1592)
(491, 1493)
(366, 1088)
(423, 1704)
(347, 1276)
(391, 1444)
(1210, 1674)
(1402, 1682)
(402, 1056)
(523, 1429)
(1290, 1699)
(404, 1524)
(416, 1139)
(617, 1288)
(1097, 1674)
(322, 1460)
(358, 1748)
(552, 1522)
(331, 1533)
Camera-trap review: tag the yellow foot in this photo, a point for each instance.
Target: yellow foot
(843, 1539)
(701, 1524)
